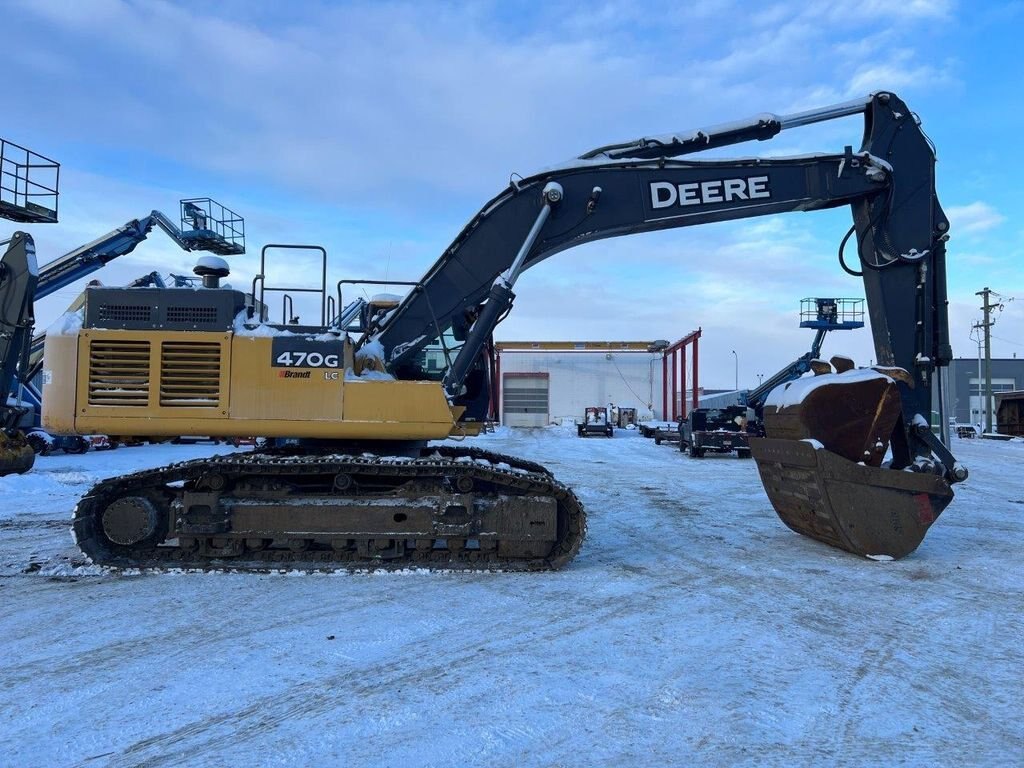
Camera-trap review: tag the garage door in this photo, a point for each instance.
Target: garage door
(524, 400)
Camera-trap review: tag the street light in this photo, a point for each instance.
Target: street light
(737, 370)
(760, 376)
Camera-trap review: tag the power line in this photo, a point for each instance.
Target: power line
(1007, 341)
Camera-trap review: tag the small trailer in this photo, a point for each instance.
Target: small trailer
(1010, 413)
(649, 428)
(624, 418)
(666, 434)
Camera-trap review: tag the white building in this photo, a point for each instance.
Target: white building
(544, 383)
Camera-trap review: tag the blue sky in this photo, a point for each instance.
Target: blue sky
(378, 129)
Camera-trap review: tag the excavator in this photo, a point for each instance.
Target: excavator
(349, 478)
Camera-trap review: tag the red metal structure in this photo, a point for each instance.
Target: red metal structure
(673, 367)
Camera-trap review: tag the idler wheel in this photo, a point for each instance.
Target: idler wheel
(130, 520)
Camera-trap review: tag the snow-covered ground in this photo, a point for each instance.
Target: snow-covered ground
(693, 629)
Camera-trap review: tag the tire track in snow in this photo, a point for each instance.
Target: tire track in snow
(307, 700)
(119, 655)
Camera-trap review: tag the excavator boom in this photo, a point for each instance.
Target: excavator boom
(652, 184)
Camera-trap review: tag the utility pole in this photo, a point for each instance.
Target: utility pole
(986, 325)
(977, 327)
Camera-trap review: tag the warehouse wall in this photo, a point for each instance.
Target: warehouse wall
(580, 379)
(965, 399)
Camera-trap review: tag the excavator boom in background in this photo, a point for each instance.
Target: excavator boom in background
(361, 394)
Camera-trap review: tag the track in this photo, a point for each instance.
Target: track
(451, 508)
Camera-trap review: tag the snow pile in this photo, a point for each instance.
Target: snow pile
(242, 327)
(211, 262)
(795, 392)
(368, 375)
(371, 350)
(369, 363)
(68, 324)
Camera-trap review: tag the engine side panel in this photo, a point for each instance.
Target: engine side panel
(171, 383)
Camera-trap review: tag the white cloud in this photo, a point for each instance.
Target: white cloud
(899, 71)
(400, 103)
(973, 218)
(394, 122)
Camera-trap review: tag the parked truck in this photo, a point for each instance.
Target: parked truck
(715, 430)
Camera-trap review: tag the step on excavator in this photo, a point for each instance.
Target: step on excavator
(849, 458)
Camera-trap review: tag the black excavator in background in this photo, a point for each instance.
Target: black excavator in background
(344, 497)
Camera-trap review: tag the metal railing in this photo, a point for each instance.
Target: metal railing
(204, 216)
(29, 184)
(831, 313)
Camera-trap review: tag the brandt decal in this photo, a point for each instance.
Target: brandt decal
(665, 194)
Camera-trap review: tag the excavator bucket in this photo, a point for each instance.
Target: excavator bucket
(869, 511)
(16, 455)
(821, 465)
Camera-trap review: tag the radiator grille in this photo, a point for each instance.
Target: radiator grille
(125, 313)
(119, 373)
(190, 374)
(193, 315)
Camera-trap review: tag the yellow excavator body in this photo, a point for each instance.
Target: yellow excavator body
(151, 384)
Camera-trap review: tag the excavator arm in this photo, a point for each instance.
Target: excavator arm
(650, 184)
(348, 494)
(899, 233)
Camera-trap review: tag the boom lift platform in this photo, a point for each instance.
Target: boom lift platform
(823, 315)
(29, 185)
(220, 231)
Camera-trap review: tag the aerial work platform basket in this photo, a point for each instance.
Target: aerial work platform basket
(209, 226)
(28, 185)
(832, 314)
